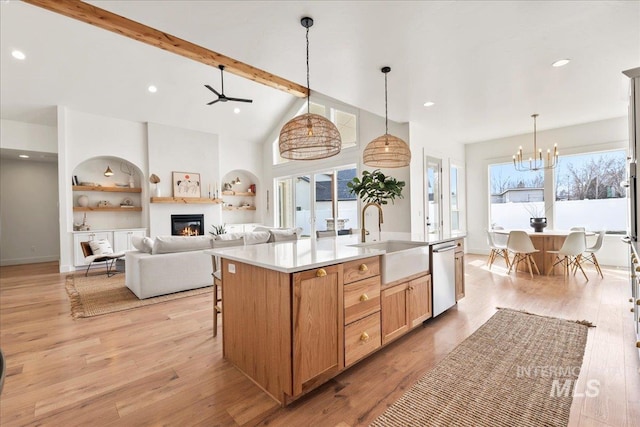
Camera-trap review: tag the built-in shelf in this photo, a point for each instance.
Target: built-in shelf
(186, 200)
(239, 208)
(238, 193)
(109, 209)
(107, 189)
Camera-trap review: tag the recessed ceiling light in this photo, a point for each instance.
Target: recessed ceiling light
(429, 104)
(152, 89)
(236, 110)
(561, 63)
(23, 156)
(18, 54)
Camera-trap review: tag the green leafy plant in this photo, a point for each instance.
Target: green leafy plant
(376, 187)
(218, 229)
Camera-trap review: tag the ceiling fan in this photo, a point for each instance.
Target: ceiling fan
(221, 96)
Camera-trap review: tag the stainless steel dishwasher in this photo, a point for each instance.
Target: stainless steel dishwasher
(443, 276)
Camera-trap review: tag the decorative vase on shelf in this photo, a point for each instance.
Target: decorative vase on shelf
(83, 201)
(538, 224)
(157, 191)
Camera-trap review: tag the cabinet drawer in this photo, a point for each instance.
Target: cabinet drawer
(361, 299)
(361, 338)
(361, 269)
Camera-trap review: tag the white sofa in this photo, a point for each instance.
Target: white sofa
(169, 264)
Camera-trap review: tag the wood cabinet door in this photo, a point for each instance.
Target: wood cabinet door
(459, 275)
(318, 326)
(419, 295)
(394, 310)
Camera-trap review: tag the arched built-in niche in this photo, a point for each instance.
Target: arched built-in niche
(107, 202)
(238, 194)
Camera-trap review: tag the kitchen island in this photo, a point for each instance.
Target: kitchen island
(296, 314)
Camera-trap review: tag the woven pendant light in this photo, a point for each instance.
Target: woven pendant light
(309, 136)
(387, 151)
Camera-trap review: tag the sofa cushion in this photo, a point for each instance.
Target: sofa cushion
(227, 243)
(100, 247)
(256, 237)
(169, 244)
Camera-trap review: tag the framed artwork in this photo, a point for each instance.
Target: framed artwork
(186, 184)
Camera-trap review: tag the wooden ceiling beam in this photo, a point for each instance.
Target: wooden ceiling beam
(126, 27)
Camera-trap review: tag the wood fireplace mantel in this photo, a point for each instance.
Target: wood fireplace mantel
(186, 200)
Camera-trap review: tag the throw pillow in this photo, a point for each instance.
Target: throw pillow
(256, 237)
(100, 247)
(283, 235)
(143, 244)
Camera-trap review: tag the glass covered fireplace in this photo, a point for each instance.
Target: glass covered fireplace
(187, 225)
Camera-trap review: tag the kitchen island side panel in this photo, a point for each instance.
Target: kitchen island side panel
(256, 319)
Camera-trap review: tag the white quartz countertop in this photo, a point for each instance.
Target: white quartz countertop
(306, 254)
(303, 254)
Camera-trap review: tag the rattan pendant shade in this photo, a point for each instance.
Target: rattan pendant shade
(387, 151)
(309, 136)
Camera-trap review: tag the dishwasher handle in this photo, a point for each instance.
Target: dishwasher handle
(445, 249)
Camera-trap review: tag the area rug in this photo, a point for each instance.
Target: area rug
(518, 369)
(97, 295)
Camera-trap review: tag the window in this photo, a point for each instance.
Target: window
(347, 124)
(515, 196)
(588, 192)
(455, 207)
(313, 201)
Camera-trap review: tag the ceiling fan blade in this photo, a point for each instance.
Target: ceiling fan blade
(212, 89)
(213, 102)
(239, 99)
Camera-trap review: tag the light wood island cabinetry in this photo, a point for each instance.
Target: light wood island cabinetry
(291, 328)
(459, 269)
(405, 306)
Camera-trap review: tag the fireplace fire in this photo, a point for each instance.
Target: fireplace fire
(187, 225)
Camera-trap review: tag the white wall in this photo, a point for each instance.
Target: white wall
(601, 135)
(28, 212)
(181, 150)
(28, 136)
(424, 144)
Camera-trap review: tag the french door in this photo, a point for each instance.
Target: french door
(433, 197)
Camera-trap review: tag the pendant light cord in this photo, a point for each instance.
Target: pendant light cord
(308, 90)
(386, 119)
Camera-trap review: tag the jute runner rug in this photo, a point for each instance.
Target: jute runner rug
(96, 295)
(518, 369)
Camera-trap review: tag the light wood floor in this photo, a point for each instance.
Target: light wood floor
(160, 365)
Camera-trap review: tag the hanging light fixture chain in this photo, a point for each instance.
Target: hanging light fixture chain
(386, 117)
(308, 86)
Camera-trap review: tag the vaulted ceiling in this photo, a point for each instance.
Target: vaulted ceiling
(486, 65)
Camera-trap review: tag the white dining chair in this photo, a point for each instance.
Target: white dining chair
(570, 253)
(522, 247)
(497, 249)
(590, 252)
(577, 229)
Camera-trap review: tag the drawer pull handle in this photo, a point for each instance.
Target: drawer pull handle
(321, 272)
(630, 299)
(365, 297)
(638, 344)
(631, 309)
(364, 337)
(363, 267)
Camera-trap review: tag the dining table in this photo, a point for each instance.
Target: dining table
(544, 241)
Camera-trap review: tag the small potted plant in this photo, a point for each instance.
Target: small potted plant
(218, 230)
(155, 179)
(376, 187)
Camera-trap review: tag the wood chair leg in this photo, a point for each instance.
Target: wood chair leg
(578, 265)
(595, 262)
(535, 266)
(505, 255)
(529, 264)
